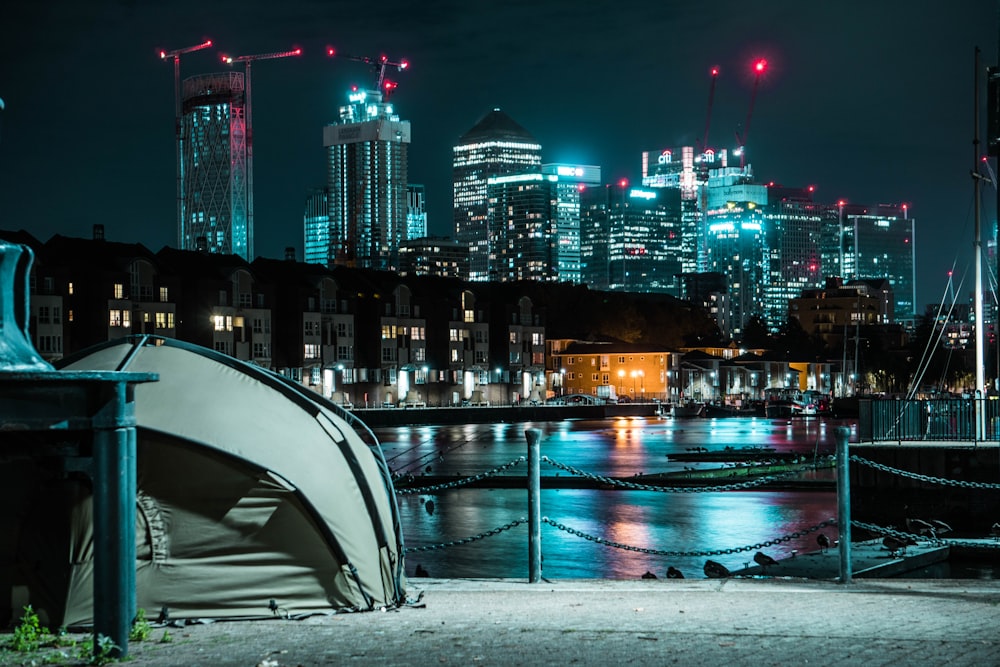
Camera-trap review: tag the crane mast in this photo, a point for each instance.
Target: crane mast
(708, 115)
(175, 55)
(760, 66)
(247, 62)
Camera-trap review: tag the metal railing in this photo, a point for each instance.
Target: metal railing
(939, 419)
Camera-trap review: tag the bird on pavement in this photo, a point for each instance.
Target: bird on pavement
(674, 573)
(919, 527)
(420, 571)
(764, 561)
(715, 570)
(895, 544)
(649, 575)
(823, 541)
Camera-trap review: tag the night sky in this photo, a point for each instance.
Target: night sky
(868, 101)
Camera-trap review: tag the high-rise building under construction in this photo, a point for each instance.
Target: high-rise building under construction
(213, 172)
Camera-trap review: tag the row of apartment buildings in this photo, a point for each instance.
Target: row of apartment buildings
(362, 337)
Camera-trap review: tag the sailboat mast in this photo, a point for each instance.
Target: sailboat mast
(976, 180)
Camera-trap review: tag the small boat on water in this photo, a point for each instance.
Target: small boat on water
(780, 403)
(722, 410)
(685, 409)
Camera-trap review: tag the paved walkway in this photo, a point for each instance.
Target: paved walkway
(741, 621)
(758, 621)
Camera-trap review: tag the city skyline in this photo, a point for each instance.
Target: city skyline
(869, 104)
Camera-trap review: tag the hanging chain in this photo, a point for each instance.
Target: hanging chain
(923, 478)
(460, 482)
(678, 554)
(467, 540)
(611, 481)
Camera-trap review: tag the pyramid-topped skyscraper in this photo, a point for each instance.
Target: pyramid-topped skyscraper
(495, 146)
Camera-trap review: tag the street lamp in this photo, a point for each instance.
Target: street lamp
(621, 381)
(562, 381)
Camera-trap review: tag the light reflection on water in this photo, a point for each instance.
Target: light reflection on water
(679, 522)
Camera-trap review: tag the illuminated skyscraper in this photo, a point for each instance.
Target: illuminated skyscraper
(366, 179)
(571, 181)
(521, 227)
(495, 146)
(878, 243)
(630, 239)
(416, 211)
(316, 223)
(213, 198)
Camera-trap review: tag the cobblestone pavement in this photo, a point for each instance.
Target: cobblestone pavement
(771, 621)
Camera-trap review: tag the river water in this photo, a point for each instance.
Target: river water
(687, 522)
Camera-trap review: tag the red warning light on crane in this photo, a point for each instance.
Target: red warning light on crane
(760, 66)
(623, 183)
(715, 71)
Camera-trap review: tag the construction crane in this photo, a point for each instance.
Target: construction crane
(247, 61)
(708, 115)
(759, 67)
(175, 55)
(378, 65)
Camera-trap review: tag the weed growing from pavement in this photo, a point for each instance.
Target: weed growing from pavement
(46, 647)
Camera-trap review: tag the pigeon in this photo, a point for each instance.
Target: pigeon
(895, 544)
(892, 544)
(764, 561)
(649, 575)
(429, 506)
(995, 531)
(674, 573)
(420, 571)
(920, 527)
(823, 541)
(715, 570)
(939, 527)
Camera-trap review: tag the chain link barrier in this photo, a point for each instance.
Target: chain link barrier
(461, 482)
(898, 534)
(678, 554)
(611, 481)
(467, 540)
(923, 478)
(937, 541)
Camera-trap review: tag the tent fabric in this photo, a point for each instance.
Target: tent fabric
(251, 489)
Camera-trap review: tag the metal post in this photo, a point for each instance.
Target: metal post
(114, 519)
(534, 437)
(844, 502)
